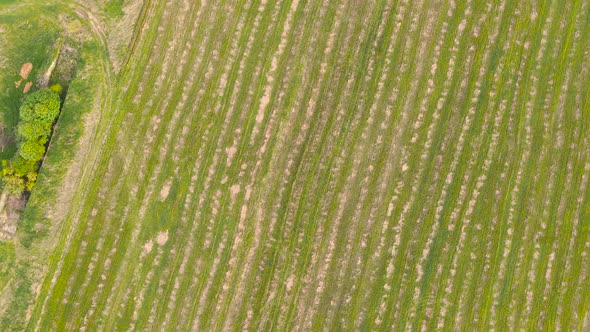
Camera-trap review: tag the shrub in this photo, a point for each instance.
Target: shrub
(57, 88)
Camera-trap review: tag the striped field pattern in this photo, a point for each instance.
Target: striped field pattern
(300, 165)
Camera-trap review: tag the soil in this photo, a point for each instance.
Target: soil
(162, 238)
(10, 215)
(25, 70)
(235, 189)
(165, 190)
(27, 87)
(147, 248)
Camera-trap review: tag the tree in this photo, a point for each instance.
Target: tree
(18, 175)
(40, 105)
(31, 180)
(33, 130)
(32, 150)
(13, 184)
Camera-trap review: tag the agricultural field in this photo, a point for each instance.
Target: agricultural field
(305, 165)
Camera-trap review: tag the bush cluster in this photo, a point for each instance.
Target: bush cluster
(36, 116)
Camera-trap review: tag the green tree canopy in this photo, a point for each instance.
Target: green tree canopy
(42, 105)
(18, 175)
(33, 130)
(32, 150)
(13, 184)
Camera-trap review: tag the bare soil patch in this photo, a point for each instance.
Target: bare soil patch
(25, 70)
(10, 214)
(162, 238)
(165, 191)
(235, 189)
(147, 248)
(231, 151)
(27, 87)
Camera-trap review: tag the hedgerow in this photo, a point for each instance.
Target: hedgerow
(36, 116)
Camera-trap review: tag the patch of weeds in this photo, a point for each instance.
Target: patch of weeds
(114, 8)
(14, 320)
(7, 257)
